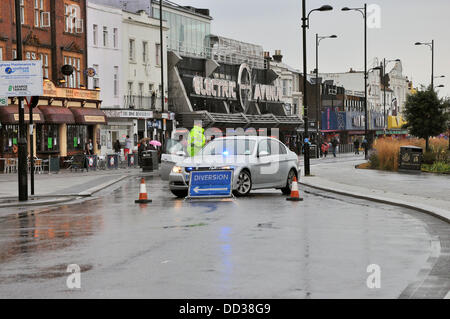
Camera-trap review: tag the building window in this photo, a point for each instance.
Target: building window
(130, 88)
(47, 138)
(40, 18)
(14, 54)
(44, 58)
(76, 137)
(116, 81)
(115, 37)
(9, 137)
(96, 79)
(73, 23)
(1, 53)
(74, 80)
(131, 50)
(144, 52)
(22, 12)
(105, 36)
(95, 34)
(158, 51)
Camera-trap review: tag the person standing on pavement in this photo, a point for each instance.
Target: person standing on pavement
(128, 146)
(356, 146)
(324, 148)
(117, 146)
(334, 144)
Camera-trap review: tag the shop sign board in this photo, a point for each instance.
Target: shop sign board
(128, 114)
(21, 78)
(3, 101)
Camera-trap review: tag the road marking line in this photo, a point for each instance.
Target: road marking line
(447, 296)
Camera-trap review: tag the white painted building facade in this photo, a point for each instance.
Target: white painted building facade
(354, 81)
(124, 50)
(288, 80)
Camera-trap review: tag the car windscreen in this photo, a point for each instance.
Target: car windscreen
(174, 146)
(228, 147)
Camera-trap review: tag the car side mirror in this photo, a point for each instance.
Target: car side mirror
(180, 153)
(263, 153)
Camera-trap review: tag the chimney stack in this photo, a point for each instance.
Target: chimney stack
(267, 55)
(277, 56)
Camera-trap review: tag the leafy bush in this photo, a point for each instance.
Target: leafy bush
(437, 167)
(373, 161)
(429, 157)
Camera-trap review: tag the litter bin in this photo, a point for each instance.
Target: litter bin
(313, 151)
(53, 164)
(91, 162)
(410, 158)
(149, 161)
(132, 160)
(112, 161)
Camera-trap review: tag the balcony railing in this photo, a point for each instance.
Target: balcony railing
(141, 102)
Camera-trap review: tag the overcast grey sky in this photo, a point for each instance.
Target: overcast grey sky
(276, 25)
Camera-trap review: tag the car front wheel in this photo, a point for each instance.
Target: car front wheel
(287, 189)
(244, 184)
(179, 193)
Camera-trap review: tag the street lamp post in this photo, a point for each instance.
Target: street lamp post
(318, 105)
(431, 46)
(22, 141)
(363, 11)
(305, 25)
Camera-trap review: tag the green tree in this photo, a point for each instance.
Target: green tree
(425, 114)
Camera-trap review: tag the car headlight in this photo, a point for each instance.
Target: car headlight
(177, 170)
(227, 167)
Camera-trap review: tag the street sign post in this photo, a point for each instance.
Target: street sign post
(21, 78)
(210, 184)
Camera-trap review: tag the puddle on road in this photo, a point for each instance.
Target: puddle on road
(39, 231)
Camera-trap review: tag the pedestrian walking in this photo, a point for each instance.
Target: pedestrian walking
(334, 144)
(365, 145)
(356, 146)
(128, 146)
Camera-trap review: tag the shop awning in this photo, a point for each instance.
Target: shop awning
(57, 114)
(85, 115)
(10, 115)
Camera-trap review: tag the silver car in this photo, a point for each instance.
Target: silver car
(258, 162)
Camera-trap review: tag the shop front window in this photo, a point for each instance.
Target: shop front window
(76, 137)
(47, 138)
(9, 138)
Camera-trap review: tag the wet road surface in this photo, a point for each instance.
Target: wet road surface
(261, 246)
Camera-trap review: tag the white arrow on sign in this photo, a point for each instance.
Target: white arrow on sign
(197, 189)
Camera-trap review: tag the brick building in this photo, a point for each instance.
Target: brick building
(67, 115)
(53, 31)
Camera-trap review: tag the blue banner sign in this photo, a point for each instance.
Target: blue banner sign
(204, 184)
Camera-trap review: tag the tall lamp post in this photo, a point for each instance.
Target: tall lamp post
(22, 142)
(363, 11)
(384, 90)
(431, 45)
(318, 108)
(305, 25)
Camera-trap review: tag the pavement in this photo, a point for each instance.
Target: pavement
(64, 186)
(425, 192)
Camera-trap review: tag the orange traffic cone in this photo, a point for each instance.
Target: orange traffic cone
(294, 191)
(143, 198)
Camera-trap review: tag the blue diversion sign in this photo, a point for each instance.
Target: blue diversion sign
(210, 184)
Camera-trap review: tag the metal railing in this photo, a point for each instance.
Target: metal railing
(141, 102)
